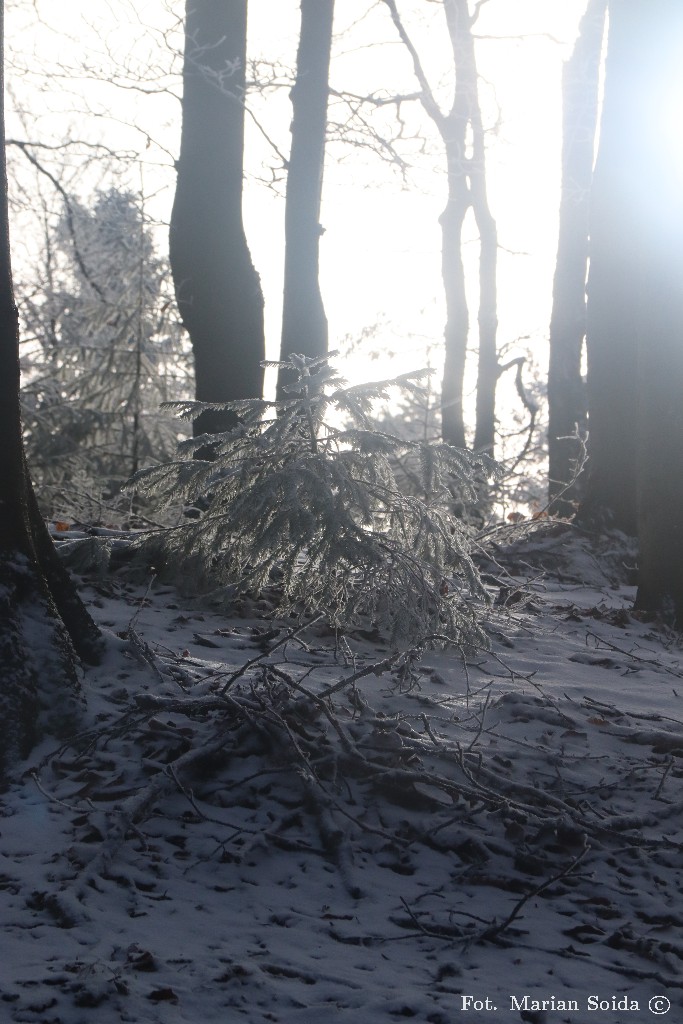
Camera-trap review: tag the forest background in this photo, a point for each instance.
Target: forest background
(106, 113)
(102, 341)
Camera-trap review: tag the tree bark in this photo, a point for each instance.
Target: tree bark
(304, 324)
(44, 627)
(217, 288)
(566, 390)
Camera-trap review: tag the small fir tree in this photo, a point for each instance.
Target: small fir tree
(105, 353)
(294, 502)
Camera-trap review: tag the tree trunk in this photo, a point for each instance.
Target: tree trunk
(453, 130)
(466, 189)
(304, 324)
(652, 40)
(457, 326)
(660, 435)
(217, 288)
(620, 182)
(488, 370)
(44, 627)
(566, 392)
(488, 367)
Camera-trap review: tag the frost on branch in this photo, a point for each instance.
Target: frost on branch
(302, 498)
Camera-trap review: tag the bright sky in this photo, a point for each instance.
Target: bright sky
(380, 251)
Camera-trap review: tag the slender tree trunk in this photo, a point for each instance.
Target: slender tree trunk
(566, 391)
(457, 326)
(466, 189)
(304, 324)
(488, 367)
(217, 288)
(488, 370)
(44, 627)
(453, 128)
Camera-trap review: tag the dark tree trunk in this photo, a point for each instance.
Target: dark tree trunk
(44, 627)
(304, 324)
(651, 39)
(566, 391)
(660, 440)
(217, 288)
(620, 183)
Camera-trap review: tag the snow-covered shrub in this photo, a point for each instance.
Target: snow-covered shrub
(313, 511)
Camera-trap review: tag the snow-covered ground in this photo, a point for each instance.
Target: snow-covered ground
(445, 842)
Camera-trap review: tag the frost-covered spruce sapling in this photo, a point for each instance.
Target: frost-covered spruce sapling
(302, 498)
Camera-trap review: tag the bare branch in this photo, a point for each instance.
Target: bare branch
(477, 10)
(427, 97)
(24, 148)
